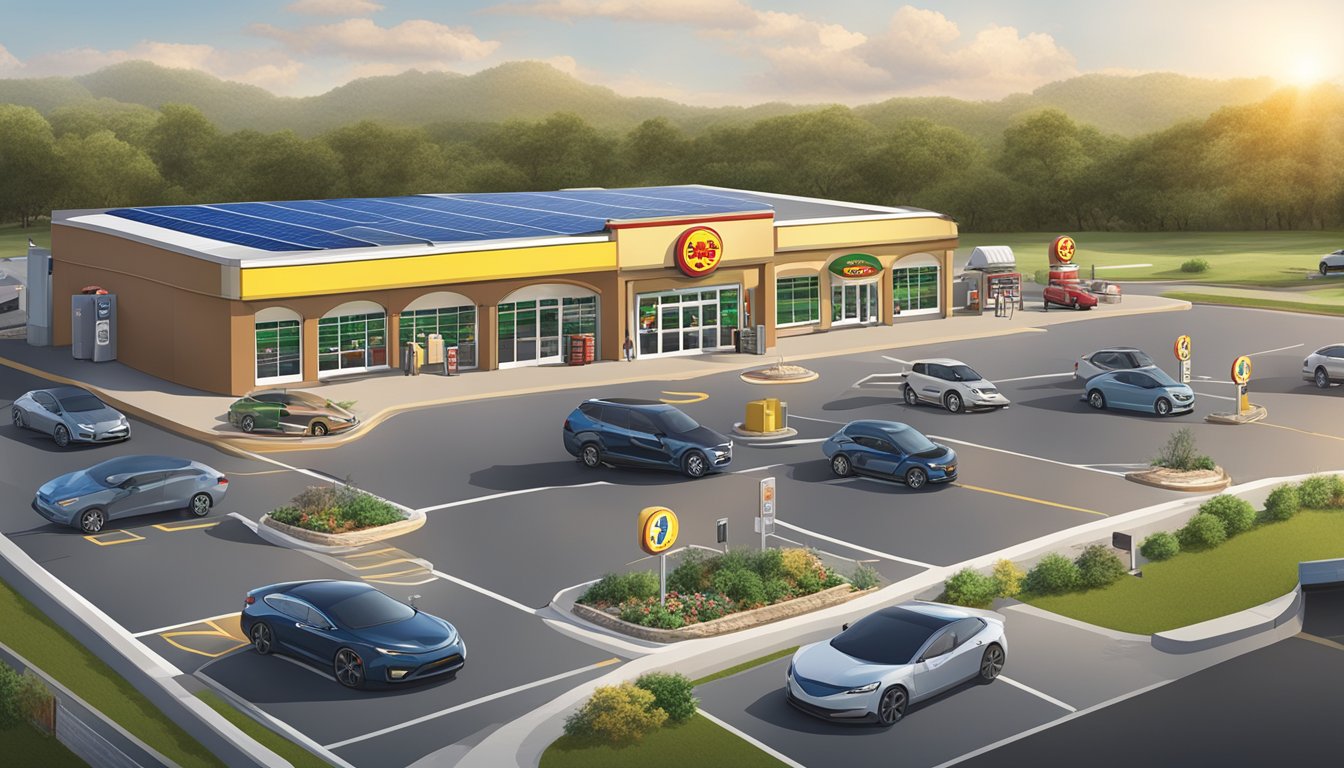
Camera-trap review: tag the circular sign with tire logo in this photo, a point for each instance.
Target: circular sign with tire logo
(1063, 249)
(699, 251)
(657, 529)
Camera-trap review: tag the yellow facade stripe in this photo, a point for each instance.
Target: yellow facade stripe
(1030, 499)
(175, 527)
(97, 538)
(433, 269)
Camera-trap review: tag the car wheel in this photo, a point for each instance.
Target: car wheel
(590, 455)
(991, 663)
(695, 464)
(891, 708)
(262, 639)
(1162, 407)
(18, 419)
(916, 478)
(911, 398)
(952, 401)
(91, 520)
(1096, 399)
(200, 504)
(840, 465)
(61, 435)
(1074, 303)
(318, 429)
(349, 668)
(1322, 379)
(1324, 268)
(248, 423)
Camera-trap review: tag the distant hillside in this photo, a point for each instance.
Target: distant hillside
(533, 90)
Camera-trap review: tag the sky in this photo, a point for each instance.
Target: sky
(703, 52)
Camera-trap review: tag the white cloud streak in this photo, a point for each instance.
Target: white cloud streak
(362, 38)
(334, 7)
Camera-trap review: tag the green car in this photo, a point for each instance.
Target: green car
(295, 413)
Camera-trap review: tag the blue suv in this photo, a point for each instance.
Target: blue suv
(644, 433)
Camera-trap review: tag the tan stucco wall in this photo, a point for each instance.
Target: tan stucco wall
(645, 247)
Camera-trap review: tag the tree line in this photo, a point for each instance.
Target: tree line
(1277, 164)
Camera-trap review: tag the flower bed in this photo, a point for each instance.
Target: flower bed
(332, 509)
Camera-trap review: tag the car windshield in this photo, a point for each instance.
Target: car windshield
(675, 422)
(81, 403)
(910, 441)
(1161, 377)
(1142, 359)
(369, 609)
(892, 636)
(963, 373)
(305, 398)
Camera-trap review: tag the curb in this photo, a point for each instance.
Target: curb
(1208, 485)
(1232, 627)
(764, 437)
(274, 532)
(1256, 413)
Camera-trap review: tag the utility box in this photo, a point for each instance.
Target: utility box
(769, 415)
(104, 327)
(81, 327)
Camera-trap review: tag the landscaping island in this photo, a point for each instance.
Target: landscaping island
(341, 515)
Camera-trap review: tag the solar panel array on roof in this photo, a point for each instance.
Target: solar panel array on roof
(314, 225)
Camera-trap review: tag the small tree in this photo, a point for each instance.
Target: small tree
(1160, 546)
(1180, 453)
(1055, 573)
(1283, 503)
(672, 692)
(971, 588)
(1009, 578)
(1202, 532)
(1098, 567)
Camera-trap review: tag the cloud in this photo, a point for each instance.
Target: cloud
(414, 39)
(272, 70)
(718, 14)
(9, 64)
(334, 7)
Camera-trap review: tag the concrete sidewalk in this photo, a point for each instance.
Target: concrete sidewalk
(202, 415)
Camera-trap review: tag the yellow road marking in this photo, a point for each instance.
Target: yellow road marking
(400, 583)
(382, 564)
(1030, 499)
(608, 662)
(420, 569)
(215, 631)
(687, 397)
(1327, 642)
(254, 474)
(175, 527)
(96, 538)
(374, 552)
(1299, 431)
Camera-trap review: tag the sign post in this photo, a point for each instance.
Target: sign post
(1183, 349)
(1241, 374)
(721, 532)
(766, 520)
(657, 533)
(1124, 541)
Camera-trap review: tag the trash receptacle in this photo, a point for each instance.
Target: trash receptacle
(578, 350)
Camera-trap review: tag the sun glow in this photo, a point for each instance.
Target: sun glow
(1307, 70)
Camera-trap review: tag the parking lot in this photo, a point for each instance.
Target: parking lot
(513, 519)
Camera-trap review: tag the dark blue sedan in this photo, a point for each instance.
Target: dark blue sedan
(890, 449)
(360, 634)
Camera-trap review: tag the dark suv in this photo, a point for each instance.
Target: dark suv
(644, 433)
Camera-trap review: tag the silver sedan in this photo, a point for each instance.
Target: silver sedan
(1325, 366)
(127, 486)
(1333, 262)
(69, 415)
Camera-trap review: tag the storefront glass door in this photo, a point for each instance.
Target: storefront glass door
(530, 331)
(351, 343)
(853, 303)
(686, 321)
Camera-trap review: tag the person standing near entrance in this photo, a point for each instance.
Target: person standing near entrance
(629, 347)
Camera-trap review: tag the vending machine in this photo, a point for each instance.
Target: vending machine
(93, 327)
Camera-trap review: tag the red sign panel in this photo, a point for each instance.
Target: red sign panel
(699, 251)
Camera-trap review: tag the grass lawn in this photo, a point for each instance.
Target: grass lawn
(1245, 571)
(1231, 300)
(295, 754)
(696, 742)
(14, 239)
(1235, 258)
(30, 747)
(32, 635)
(744, 666)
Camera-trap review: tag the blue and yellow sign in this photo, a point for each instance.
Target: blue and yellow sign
(657, 529)
(1241, 370)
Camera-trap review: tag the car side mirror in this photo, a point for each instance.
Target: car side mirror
(844, 627)
(284, 411)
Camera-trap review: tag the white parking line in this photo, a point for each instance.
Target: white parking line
(1029, 378)
(486, 592)
(1038, 694)
(897, 360)
(472, 703)
(854, 547)
(1219, 397)
(309, 667)
(506, 494)
(755, 469)
(184, 624)
(799, 441)
(865, 379)
(1277, 349)
(1086, 467)
(780, 756)
(823, 421)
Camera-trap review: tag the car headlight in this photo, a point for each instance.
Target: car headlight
(390, 652)
(125, 421)
(975, 391)
(869, 688)
(67, 502)
(88, 427)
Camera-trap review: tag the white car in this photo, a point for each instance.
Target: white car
(873, 670)
(1110, 359)
(952, 384)
(1333, 262)
(1325, 366)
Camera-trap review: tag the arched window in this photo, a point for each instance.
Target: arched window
(352, 338)
(534, 321)
(279, 346)
(914, 285)
(451, 315)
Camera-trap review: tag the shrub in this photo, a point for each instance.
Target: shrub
(797, 563)
(1160, 546)
(1237, 514)
(617, 714)
(1195, 265)
(659, 617)
(733, 560)
(743, 586)
(971, 588)
(703, 606)
(1319, 491)
(691, 575)
(1009, 578)
(616, 588)
(672, 693)
(1202, 532)
(768, 564)
(11, 709)
(1180, 453)
(1053, 574)
(1098, 567)
(1283, 503)
(864, 577)
(777, 590)
(332, 509)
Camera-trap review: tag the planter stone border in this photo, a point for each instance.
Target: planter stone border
(1192, 481)
(1256, 413)
(302, 538)
(730, 623)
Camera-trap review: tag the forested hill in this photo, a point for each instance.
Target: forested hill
(1125, 105)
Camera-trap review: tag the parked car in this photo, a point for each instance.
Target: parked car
(70, 415)
(889, 449)
(874, 669)
(363, 636)
(1068, 293)
(291, 412)
(127, 486)
(1142, 389)
(951, 384)
(1332, 262)
(1110, 359)
(644, 433)
(1325, 366)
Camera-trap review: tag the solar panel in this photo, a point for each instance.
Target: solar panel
(298, 225)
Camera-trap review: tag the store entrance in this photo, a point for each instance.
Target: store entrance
(853, 303)
(532, 332)
(687, 321)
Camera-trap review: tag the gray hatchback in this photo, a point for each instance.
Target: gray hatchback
(127, 486)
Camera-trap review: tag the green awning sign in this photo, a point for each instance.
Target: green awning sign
(856, 265)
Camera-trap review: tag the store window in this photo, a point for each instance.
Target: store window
(352, 338)
(454, 319)
(797, 301)
(278, 335)
(534, 326)
(686, 321)
(914, 290)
